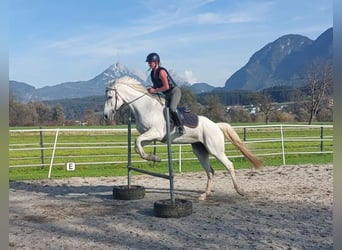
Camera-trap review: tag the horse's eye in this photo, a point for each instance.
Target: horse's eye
(109, 97)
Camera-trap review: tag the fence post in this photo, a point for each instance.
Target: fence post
(321, 138)
(154, 151)
(244, 134)
(41, 147)
(180, 158)
(282, 143)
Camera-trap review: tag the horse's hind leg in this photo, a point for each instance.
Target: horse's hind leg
(203, 156)
(217, 149)
(230, 167)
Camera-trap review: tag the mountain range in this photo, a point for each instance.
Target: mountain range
(281, 62)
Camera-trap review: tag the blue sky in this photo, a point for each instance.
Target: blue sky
(56, 41)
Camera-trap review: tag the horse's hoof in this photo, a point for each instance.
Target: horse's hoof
(153, 158)
(202, 197)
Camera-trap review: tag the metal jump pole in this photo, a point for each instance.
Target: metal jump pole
(169, 154)
(129, 150)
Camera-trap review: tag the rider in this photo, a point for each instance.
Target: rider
(162, 82)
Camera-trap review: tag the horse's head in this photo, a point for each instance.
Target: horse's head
(126, 91)
(113, 102)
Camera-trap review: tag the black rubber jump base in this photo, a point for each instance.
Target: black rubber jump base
(135, 192)
(165, 208)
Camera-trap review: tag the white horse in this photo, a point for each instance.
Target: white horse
(207, 138)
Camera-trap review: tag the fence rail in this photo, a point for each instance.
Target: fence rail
(98, 146)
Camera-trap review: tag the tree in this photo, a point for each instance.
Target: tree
(189, 100)
(92, 118)
(57, 114)
(282, 116)
(21, 114)
(214, 109)
(319, 86)
(43, 111)
(325, 115)
(264, 103)
(13, 110)
(238, 114)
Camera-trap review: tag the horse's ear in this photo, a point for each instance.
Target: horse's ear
(110, 82)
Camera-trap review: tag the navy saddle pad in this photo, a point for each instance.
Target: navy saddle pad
(189, 119)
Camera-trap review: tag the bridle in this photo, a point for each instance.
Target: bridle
(118, 95)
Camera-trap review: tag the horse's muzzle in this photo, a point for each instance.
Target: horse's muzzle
(106, 118)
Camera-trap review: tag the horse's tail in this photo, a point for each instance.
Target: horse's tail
(231, 135)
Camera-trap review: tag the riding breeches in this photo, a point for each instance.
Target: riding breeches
(173, 99)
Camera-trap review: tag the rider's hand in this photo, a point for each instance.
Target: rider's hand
(151, 90)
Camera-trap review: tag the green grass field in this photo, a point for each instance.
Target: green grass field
(104, 153)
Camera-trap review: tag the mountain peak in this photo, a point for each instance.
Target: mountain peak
(280, 62)
(114, 71)
(118, 67)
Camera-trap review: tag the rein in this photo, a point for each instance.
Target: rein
(125, 103)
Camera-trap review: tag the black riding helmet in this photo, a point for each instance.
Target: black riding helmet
(152, 57)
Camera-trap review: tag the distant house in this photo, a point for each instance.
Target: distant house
(251, 109)
(81, 123)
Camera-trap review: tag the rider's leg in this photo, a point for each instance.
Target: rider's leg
(178, 122)
(175, 97)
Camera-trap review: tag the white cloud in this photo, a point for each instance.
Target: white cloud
(189, 76)
(214, 18)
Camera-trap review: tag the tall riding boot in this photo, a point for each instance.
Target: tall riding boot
(178, 122)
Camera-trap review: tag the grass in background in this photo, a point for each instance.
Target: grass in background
(106, 153)
(33, 173)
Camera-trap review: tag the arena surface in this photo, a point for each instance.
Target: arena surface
(287, 207)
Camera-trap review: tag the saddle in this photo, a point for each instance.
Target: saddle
(188, 119)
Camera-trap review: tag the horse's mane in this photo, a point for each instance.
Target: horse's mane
(134, 84)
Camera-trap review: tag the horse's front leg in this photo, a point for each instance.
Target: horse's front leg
(143, 140)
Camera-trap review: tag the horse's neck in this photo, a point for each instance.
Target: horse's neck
(145, 108)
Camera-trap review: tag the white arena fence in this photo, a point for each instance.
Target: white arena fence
(51, 147)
